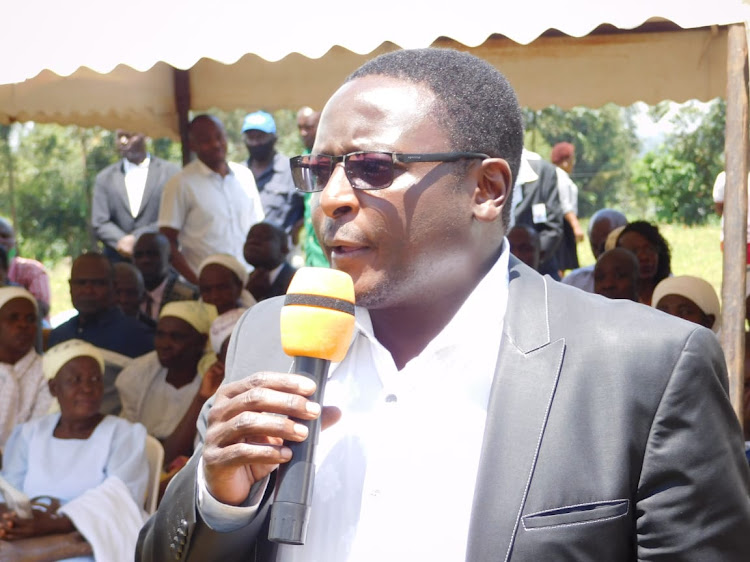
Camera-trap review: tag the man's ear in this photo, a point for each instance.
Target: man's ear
(494, 189)
(52, 385)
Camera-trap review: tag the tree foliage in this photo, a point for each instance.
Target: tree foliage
(678, 176)
(606, 146)
(54, 168)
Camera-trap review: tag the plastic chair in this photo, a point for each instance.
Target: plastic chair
(155, 456)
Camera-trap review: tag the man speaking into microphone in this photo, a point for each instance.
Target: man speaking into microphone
(482, 411)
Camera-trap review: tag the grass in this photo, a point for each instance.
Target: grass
(59, 275)
(695, 251)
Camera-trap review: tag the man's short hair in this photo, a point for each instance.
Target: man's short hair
(475, 101)
(96, 256)
(204, 117)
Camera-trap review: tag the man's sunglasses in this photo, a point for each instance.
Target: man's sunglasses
(365, 170)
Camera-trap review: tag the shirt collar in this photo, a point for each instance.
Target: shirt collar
(206, 171)
(127, 165)
(526, 173)
(491, 293)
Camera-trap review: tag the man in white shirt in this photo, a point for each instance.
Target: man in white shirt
(472, 417)
(208, 207)
(127, 195)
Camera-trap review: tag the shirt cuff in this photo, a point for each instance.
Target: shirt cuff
(224, 518)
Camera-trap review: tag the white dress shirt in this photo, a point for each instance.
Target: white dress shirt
(135, 182)
(395, 476)
(213, 214)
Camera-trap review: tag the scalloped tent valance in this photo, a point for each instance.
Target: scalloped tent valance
(99, 63)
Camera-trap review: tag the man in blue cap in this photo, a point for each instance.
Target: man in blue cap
(282, 203)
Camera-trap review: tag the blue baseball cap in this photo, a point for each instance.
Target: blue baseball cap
(259, 120)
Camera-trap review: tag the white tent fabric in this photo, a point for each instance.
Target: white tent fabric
(96, 62)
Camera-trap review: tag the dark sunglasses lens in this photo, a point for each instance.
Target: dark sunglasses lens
(301, 173)
(320, 171)
(369, 170)
(311, 173)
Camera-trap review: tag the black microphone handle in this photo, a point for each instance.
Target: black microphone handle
(290, 511)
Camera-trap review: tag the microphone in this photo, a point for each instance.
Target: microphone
(317, 323)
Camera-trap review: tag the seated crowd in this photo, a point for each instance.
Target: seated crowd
(155, 313)
(633, 263)
(142, 355)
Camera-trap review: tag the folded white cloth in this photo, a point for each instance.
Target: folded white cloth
(109, 519)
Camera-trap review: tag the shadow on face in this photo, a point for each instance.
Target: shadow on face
(91, 284)
(177, 343)
(525, 245)
(129, 288)
(616, 275)
(78, 387)
(683, 307)
(151, 256)
(220, 287)
(17, 329)
(266, 246)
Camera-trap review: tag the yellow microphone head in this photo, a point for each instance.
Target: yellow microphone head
(317, 319)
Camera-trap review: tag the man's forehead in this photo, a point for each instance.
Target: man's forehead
(382, 95)
(90, 267)
(206, 126)
(602, 227)
(374, 108)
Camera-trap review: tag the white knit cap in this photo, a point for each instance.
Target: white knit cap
(7, 294)
(228, 261)
(696, 289)
(56, 357)
(222, 327)
(192, 312)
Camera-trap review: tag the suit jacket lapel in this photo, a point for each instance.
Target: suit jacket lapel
(119, 188)
(152, 181)
(522, 392)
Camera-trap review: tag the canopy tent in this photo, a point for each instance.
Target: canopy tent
(143, 65)
(90, 63)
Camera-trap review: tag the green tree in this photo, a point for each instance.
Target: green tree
(606, 146)
(51, 203)
(678, 176)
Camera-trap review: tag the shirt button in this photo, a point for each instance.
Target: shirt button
(391, 398)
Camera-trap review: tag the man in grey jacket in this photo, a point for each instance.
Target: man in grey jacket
(482, 411)
(127, 195)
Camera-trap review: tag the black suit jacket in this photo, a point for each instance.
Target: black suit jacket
(543, 191)
(110, 210)
(609, 437)
(281, 283)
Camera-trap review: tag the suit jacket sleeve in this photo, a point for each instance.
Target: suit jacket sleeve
(688, 505)
(101, 216)
(176, 531)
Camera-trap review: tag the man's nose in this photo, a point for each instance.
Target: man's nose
(338, 197)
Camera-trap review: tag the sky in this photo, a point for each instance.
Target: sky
(651, 133)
